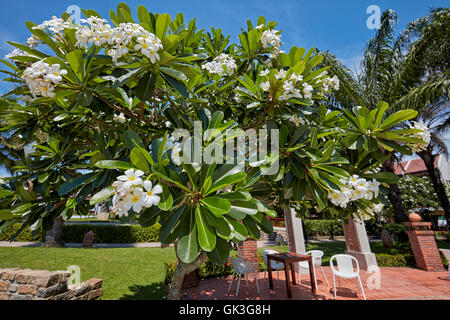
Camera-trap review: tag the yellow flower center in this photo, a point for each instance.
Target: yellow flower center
(135, 199)
(132, 178)
(149, 193)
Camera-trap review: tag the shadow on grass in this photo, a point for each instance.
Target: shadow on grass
(154, 291)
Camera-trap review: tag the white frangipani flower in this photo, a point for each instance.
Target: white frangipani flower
(175, 155)
(265, 86)
(134, 200)
(120, 118)
(151, 195)
(131, 178)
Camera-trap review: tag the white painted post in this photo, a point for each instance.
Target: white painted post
(358, 245)
(296, 240)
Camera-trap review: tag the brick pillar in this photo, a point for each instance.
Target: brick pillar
(424, 246)
(358, 245)
(248, 250)
(296, 240)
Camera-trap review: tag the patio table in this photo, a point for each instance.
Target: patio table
(288, 259)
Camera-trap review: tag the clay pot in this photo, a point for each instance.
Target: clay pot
(414, 217)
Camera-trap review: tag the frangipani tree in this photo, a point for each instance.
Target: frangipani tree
(152, 115)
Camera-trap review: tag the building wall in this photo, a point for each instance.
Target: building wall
(444, 168)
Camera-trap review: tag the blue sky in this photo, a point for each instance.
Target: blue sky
(338, 26)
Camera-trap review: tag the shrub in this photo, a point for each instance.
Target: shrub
(397, 230)
(25, 235)
(323, 228)
(103, 233)
(395, 260)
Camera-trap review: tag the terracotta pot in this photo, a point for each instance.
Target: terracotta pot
(414, 217)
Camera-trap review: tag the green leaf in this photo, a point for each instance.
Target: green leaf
(238, 230)
(132, 139)
(72, 184)
(102, 195)
(169, 225)
(162, 24)
(177, 85)
(226, 181)
(206, 236)
(219, 223)
(149, 216)
(398, 117)
(216, 205)
(174, 73)
(166, 201)
(145, 87)
(139, 160)
(187, 247)
(240, 209)
(5, 193)
(220, 253)
(113, 164)
(75, 60)
(263, 222)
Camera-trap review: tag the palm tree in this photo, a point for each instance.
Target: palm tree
(407, 71)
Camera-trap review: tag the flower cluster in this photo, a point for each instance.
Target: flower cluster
(15, 53)
(356, 188)
(222, 65)
(271, 39)
(423, 135)
(289, 86)
(131, 192)
(32, 41)
(55, 26)
(121, 39)
(369, 212)
(297, 120)
(328, 84)
(41, 78)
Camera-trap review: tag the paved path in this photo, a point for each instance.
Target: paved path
(394, 284)
(78, 245)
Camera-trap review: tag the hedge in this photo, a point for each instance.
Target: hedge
(74, 233)
(323, 228)
(397, 260)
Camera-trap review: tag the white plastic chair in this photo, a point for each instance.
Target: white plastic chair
(317, 262)
(345, 270)
(275, 265)
(242, 267)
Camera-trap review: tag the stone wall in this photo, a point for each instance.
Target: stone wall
(27, 284)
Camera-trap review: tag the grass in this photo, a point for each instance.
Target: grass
(132, 273)
(127, 273)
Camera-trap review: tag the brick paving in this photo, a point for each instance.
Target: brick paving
(395, 284)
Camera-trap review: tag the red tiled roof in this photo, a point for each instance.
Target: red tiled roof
(412, 166)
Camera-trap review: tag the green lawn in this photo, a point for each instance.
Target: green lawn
(127, 273)
(130, 273)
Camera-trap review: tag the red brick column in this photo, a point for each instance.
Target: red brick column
(248, 250)
(424, 246)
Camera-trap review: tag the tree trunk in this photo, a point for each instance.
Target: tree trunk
(394, 194)
(181, 270)
(55, 237)
(428, 158)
